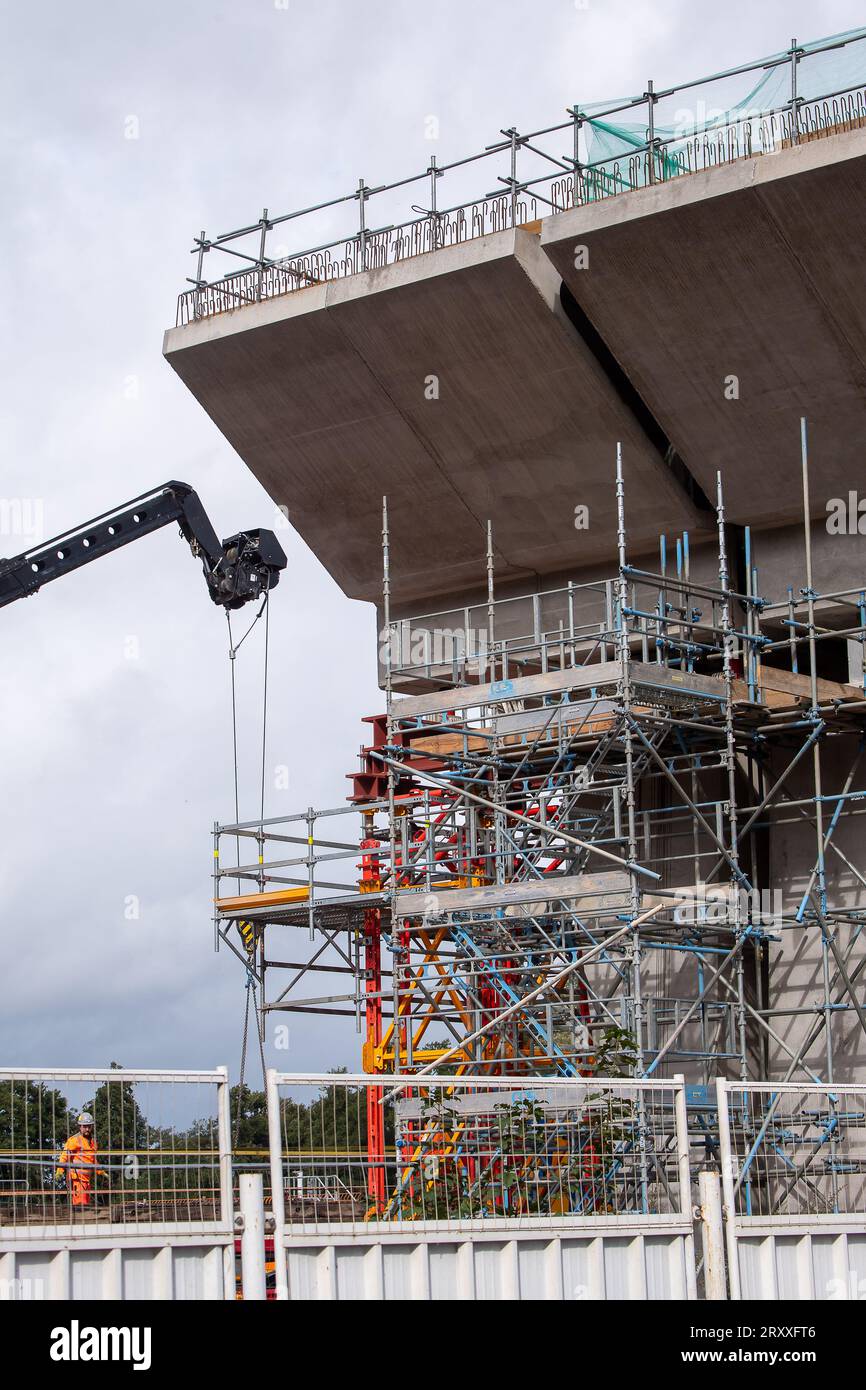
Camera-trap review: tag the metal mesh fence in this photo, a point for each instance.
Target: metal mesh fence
(87, 1150)
(357, 1149)
(795, 1151)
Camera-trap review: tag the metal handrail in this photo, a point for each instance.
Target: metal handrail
(573, 182)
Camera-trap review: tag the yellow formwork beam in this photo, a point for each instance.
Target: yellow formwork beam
(247, 901)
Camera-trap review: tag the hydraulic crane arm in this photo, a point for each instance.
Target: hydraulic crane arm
(236, 570)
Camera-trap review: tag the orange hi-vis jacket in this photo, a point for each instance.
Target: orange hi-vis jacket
(78, 1163)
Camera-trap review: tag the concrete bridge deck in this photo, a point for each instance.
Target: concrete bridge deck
(749, 270)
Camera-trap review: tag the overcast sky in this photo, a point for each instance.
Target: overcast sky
(125, 130)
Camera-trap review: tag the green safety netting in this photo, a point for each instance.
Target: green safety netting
(713, 105)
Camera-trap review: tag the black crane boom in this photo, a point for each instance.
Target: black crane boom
(236, 570)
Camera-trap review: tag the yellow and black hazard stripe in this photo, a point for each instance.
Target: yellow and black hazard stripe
(248, 935)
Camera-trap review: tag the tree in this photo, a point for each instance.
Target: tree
(33, 1127)
(522, 1155)
(119, 1125)
(249, 1111)
(616, 1055)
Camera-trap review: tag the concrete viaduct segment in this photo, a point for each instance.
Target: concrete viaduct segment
(747, 271)
(695, 321)
(456, 384)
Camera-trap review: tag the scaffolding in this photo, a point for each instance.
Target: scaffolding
(597, 831)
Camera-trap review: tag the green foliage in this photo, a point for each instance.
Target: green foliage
(612, 1122)
(335, 1122)
(528, 1158)
(436, 1187)
(119, 1125)
(249, 1112)
(31, 1117)
(450, 1068)
(464, 1175)
(518, 1157)
(617, 1053)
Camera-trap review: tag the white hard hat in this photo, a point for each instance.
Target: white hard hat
(85, 1118)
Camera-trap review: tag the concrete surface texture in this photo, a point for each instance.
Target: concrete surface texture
(749, 270)
(325, 394)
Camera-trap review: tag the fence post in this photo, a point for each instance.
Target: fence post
(224, 1143)
(434, 216)
(712, 1235)
(726, 1158)
(577, 122)
(682, 1125)
(262, 241)
(362, 195)
(651, 132)
(199, 272)
(278, 1200)
(224, 1130)
(795, 114)
(252, 1210)
(200, 264)
(681, 1119)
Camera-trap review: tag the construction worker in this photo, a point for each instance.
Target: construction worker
(78, 1166)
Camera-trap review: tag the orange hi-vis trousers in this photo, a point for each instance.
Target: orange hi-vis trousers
(78, 1165)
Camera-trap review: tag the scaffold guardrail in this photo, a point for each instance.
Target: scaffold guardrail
(806, 92)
